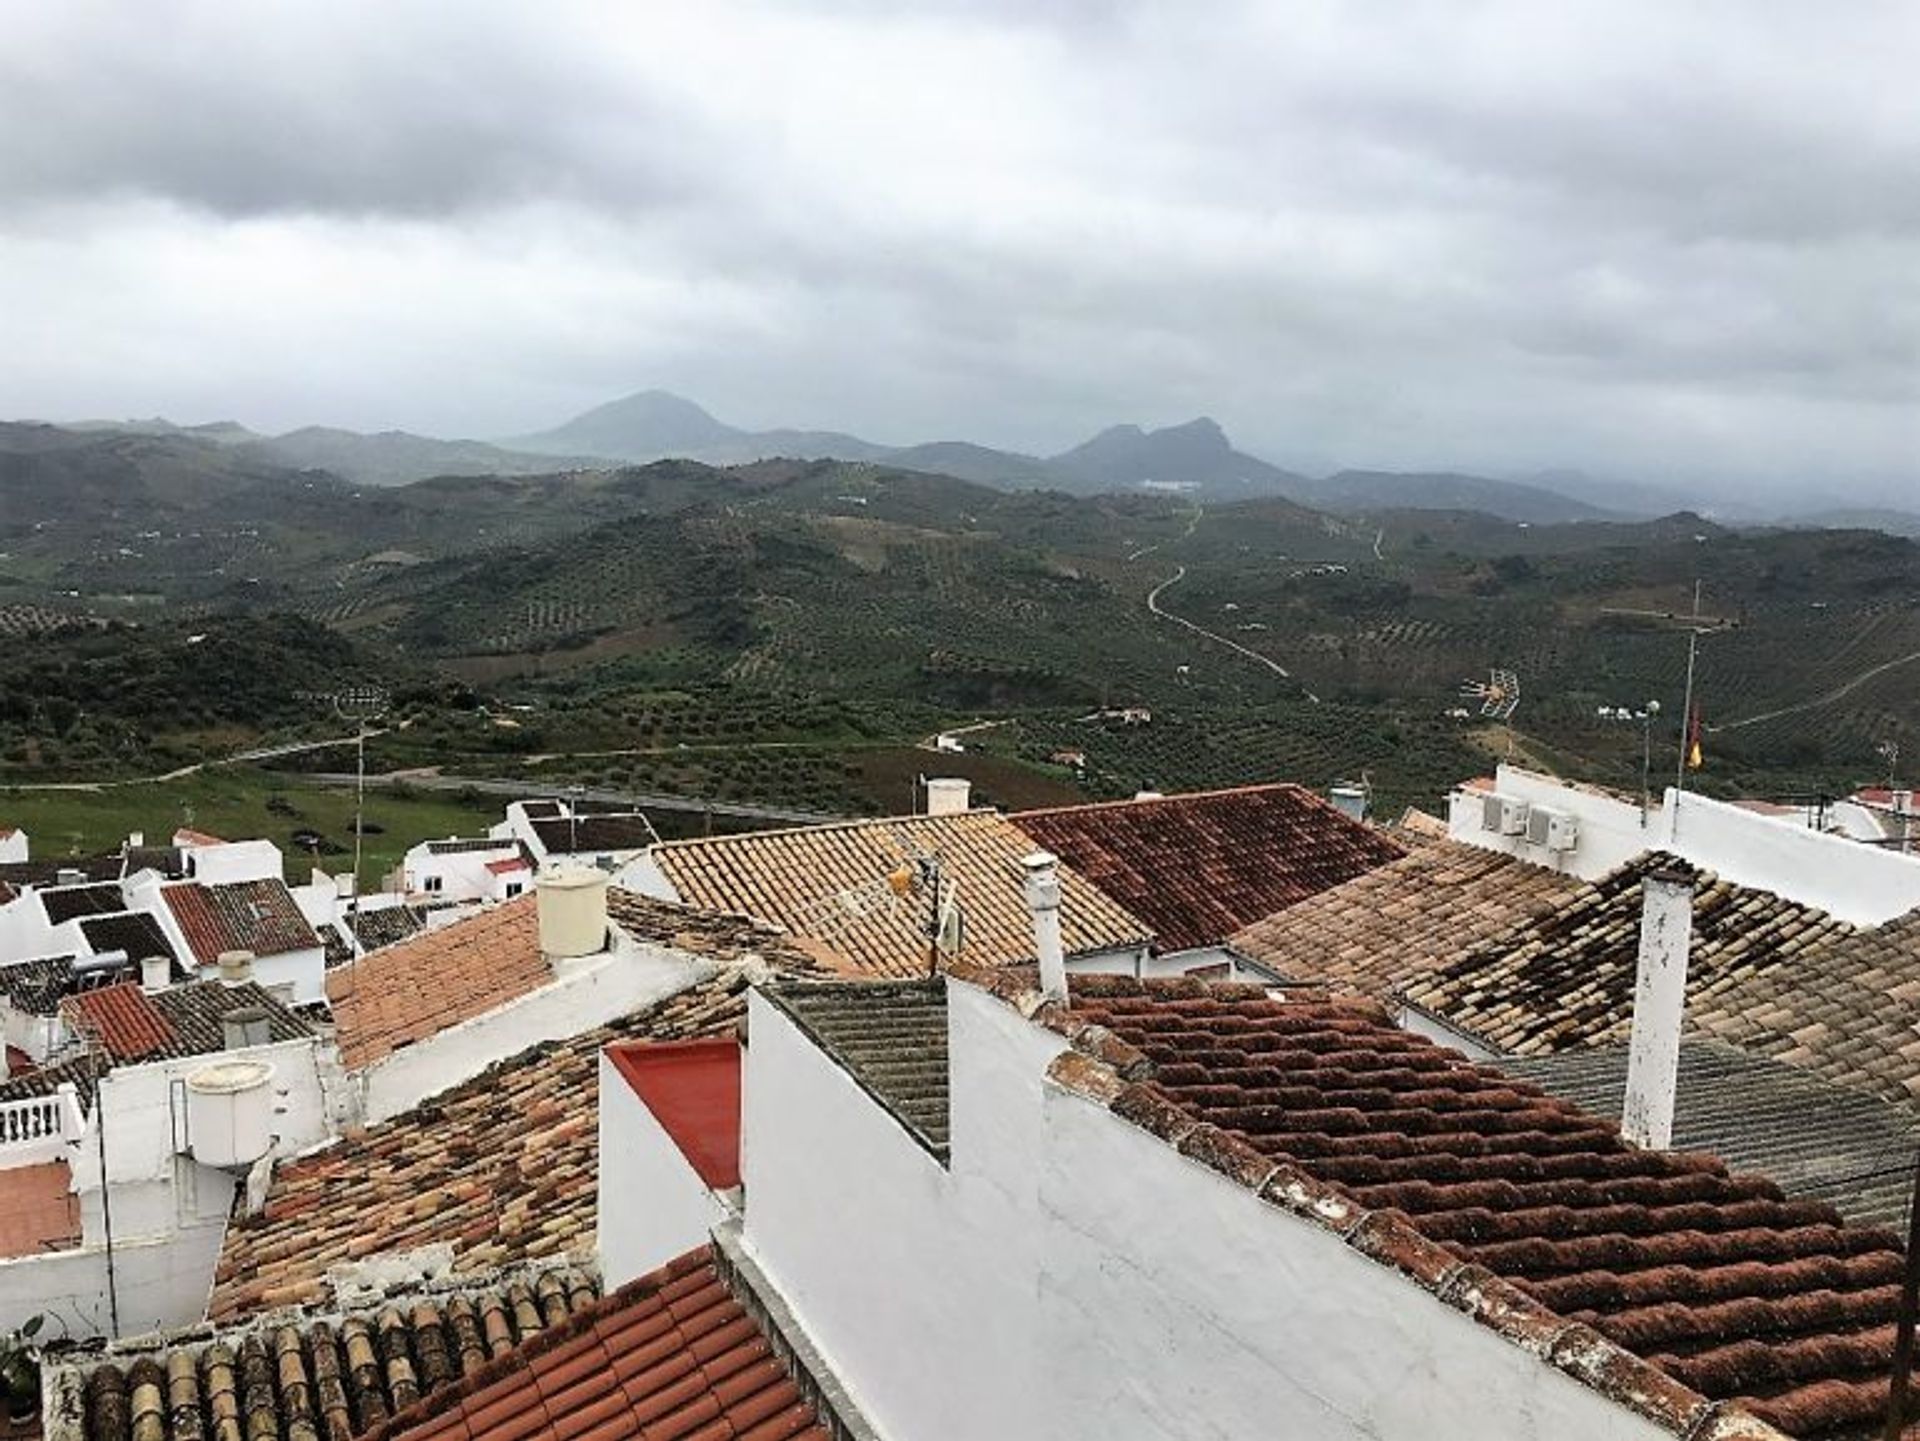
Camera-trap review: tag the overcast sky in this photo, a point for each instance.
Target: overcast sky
(1669, 242)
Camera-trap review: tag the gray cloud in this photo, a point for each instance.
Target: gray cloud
(1676, 242)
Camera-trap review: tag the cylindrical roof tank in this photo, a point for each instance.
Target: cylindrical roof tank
(230, 1113)
(573, 910)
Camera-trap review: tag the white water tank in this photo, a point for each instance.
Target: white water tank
(948, 795)
(573, 910)
(230, 1113)
(1350, 801)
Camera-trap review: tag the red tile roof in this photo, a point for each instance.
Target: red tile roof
(417, 988)
(693, 1090)
(1199, 867)
(508, 864)
(257, 916)
(38, 1210)
(1527, 1212)
(670, 1355)
(124, 1020)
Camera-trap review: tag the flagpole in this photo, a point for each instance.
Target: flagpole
(1686, 715)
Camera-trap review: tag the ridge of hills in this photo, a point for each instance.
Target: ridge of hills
(877, 588)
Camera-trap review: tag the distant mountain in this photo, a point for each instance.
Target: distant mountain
(656, 425)
(1893, 522)
(395, 457)
(1194, 457)
(1370, 490)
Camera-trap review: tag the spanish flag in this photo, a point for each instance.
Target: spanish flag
(1694, 758)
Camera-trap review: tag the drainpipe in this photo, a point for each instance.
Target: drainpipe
(1043, 901)
(1659, 1007)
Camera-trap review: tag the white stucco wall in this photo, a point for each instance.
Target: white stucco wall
(585, 995)
(915, 1281)
(651, 1204)
(1175, 1304)
(159, 1285)
(1096, 1281)
(643, 876)
(1866, 885)
(1611, 833)
(258, 860)
(15, 847)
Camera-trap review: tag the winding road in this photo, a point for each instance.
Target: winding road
(1179, 574)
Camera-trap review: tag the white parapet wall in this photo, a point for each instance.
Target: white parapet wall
(1865, 885)
(1106, 1284)
(651, 1204)
(585, 994)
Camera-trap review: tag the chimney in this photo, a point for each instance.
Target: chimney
(1903, 803)
(948, 795)
(573, 910)
(136, 839)
(1659, 1006)
(245, 1026)
(1043, 901)
(236, 968)
(69, 876)
(156, 973)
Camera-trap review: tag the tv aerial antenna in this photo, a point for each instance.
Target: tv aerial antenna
(1499, 694)
(920, 879)
(363, 705)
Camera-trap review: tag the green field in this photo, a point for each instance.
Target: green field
(243, 804)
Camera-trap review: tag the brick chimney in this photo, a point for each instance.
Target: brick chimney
(1043, 901)
(1659, 1007)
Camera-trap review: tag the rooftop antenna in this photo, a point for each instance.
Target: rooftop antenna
(362, 705)
(1498, 694)
(1889, 751)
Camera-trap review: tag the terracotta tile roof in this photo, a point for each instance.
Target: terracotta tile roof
(1566, 978)
(45, 1080)
(1380, 931)
(792, 878)
(257, 916)
(1199, 867)
(501, 1168)
(417, 988)
(890, 1037)
(693, 1090)
(339, 950)
(321, 1376)
(1527, 1213)
(1820, 1141)
(1846, 1010)
(38, 1210)
(133, 1025)
(672, 1354)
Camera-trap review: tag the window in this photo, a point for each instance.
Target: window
(432, 884)
(514, 888)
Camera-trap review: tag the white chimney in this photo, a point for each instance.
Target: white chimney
(156, 973)
(1043, 901)
(136, 839)
(245, 1026)
(573, 910)
(948, 795)
(236, 967)
(1659, 1007)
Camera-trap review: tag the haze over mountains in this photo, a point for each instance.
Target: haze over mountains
(1196, 459)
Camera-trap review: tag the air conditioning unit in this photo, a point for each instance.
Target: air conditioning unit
(1503, 815)
(1556, 830)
